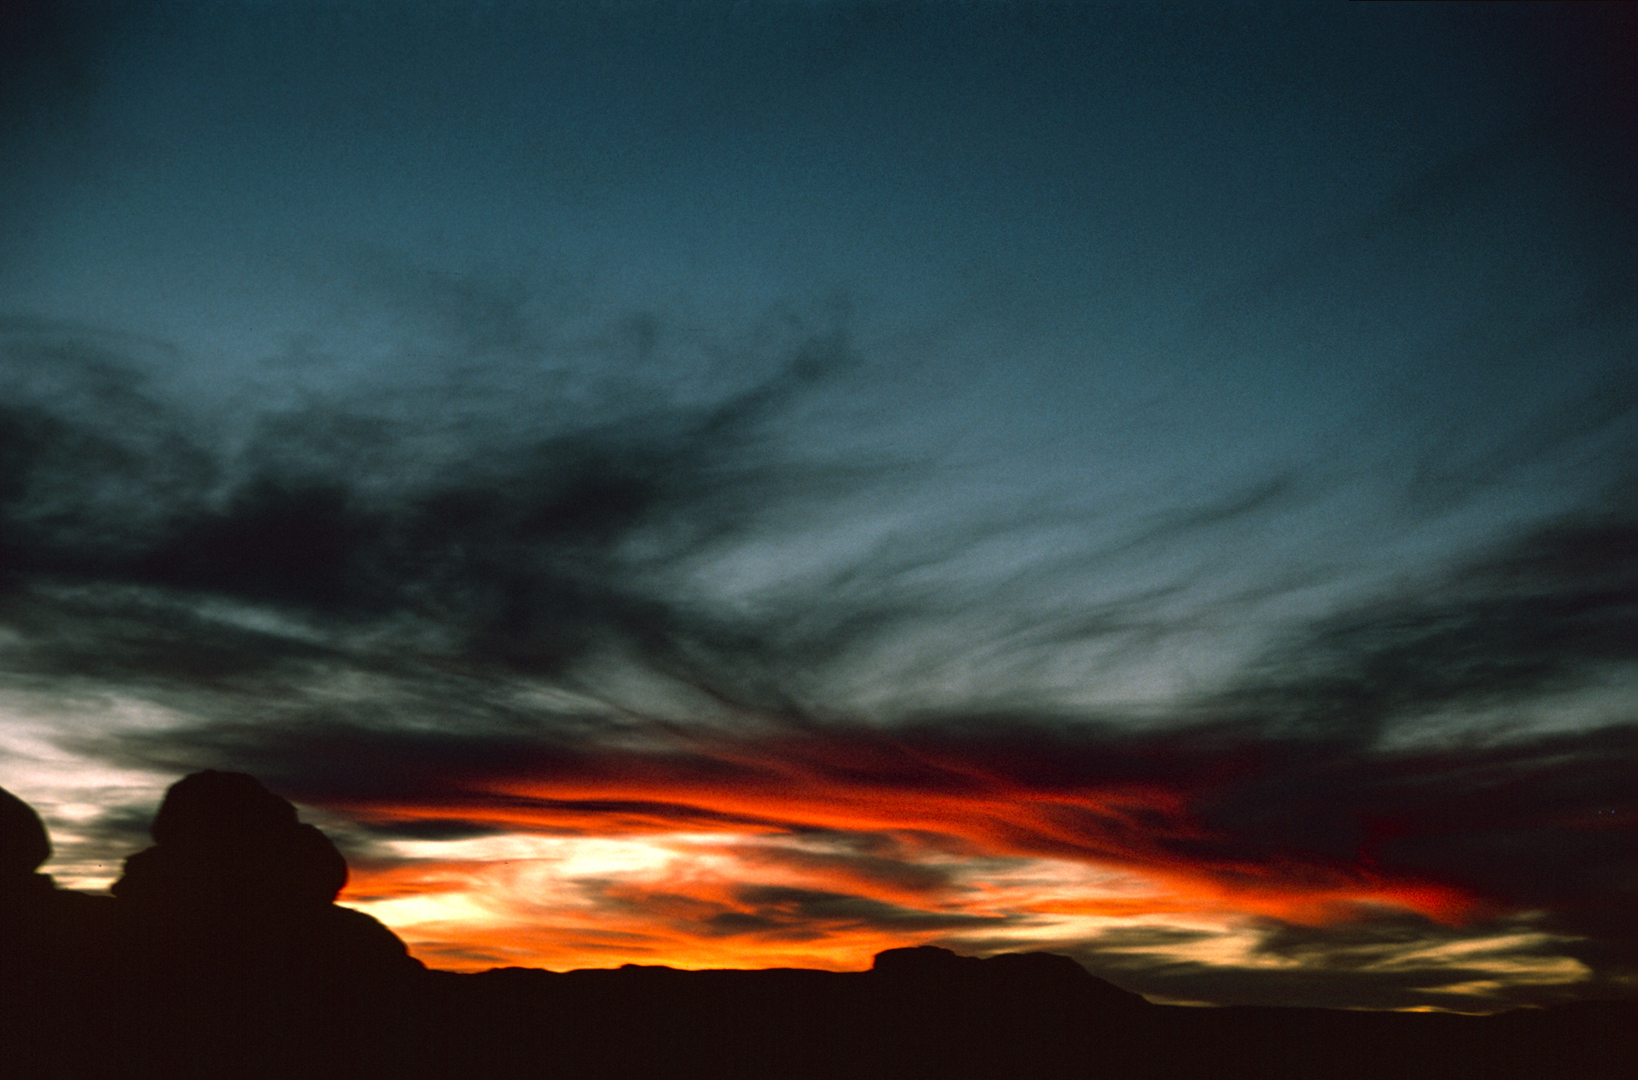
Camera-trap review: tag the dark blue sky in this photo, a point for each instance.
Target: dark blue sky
(570, 379)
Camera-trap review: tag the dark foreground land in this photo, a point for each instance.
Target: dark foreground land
(222, 955)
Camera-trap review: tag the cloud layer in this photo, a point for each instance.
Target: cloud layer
(428, 659)
(1184, 519)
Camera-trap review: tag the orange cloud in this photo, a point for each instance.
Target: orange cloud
(901, 819)
(418, 877)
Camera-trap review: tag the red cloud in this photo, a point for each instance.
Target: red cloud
(1139, 813)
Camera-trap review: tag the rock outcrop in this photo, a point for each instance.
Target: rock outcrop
(234, 881)
(43, 929)
(23, 842)
(1016, 976)
(56, 954)
(220, 954)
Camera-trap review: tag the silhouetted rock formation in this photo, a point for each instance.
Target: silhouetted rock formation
(229, 919)
(55, 945)
(224, 957)
(42, 926)
(234, 881)
(221, 953)
(1027, 974)
(1022, 1013)
(23, 842)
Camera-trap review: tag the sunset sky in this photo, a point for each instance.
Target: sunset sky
(746, 485)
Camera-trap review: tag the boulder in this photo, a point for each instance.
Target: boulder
(23, 842)
(58, 957)
(236, 884)
(41, 926)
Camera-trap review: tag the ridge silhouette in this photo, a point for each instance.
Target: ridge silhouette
(222, 954)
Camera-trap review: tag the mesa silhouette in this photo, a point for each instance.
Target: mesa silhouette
(221, 953)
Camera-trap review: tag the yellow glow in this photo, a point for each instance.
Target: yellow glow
(572, 901)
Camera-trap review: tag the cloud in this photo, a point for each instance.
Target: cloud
(123, 527)
(1391, 960)
(500, 629)
(1225, 820)
(781, 912)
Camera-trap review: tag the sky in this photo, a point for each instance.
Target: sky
(756, 484)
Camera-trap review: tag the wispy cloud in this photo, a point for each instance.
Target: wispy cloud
(501, 631)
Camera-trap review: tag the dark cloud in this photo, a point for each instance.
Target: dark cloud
(777, 913)
(1388, 961)
(1379, 960)
(1141, 938)
(1552, 613)
(518, 556)
(116, 828)
(464, 516)
(1290, 785)
(784, 911)
(878, 861)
